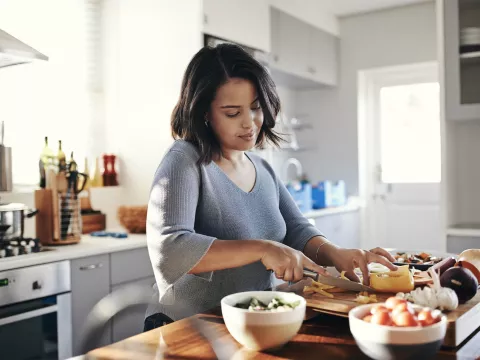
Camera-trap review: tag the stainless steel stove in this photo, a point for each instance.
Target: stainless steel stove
(18, 247)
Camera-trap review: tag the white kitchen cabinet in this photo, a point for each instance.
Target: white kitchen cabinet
(130, 322)
(461, 73)
(342, 229)
(302, 50)
(90, 283)
(246, 22)
(323, 56)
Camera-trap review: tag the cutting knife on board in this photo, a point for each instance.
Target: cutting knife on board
(336, 281)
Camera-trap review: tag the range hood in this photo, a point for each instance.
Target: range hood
(15, 52)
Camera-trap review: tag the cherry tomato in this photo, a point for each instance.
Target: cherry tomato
(401, 308)
(378, 308)
(425, 317)
(381, 318)
(394, 301)
(405, 319)
(367, 318)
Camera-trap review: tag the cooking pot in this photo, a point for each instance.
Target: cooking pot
(12, 220)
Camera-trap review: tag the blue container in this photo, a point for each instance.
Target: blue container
(329, 194)
(302, 195)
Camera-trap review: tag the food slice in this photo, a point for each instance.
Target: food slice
(393, 281)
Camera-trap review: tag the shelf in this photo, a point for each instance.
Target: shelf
(465, 230)
(471, 58)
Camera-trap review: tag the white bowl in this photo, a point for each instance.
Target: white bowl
(262, 330)
(392, 343)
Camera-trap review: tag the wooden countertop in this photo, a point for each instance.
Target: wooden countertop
(324, 336)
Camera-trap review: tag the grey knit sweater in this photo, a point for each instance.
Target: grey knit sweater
(190, 206)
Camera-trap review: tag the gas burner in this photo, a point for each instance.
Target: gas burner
(20, 246)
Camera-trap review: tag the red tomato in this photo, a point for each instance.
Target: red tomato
(381, 318)
(401, 308)
(378, 308)
(405, 319)
(367, 318)
(425, 317)
(394, 301)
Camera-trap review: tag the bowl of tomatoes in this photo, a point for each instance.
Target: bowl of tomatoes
(397, 330)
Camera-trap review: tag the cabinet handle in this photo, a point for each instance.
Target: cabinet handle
(91, 267)
(205, 19)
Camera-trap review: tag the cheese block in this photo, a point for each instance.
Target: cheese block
(393, 281)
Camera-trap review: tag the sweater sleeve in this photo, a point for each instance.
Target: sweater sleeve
(299, 229)
(173, 245)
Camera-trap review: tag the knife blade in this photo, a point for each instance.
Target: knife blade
(336, 281)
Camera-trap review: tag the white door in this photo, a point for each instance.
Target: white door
(400, 109)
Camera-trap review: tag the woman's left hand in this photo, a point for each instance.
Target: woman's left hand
(349, 259)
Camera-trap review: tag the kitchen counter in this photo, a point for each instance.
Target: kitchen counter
(350, 206)
(324, 334)
(88, 246)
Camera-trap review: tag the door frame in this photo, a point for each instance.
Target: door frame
(369, 81)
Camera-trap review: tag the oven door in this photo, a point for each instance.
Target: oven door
(36, 329)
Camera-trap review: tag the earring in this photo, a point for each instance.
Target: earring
(206, 120)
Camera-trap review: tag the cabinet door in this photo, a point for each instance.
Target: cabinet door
(323, 56)
(121, 265)
(348, 235)
(462, 99)
(90, 283)
(242, 21)
(130, 322)
(293, 39)
(341, 229)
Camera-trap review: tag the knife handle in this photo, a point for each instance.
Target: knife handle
(310, 274)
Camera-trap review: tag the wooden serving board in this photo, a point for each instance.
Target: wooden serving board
(462, 322)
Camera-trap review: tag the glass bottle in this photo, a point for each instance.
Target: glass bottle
(61, 158)
(97, 179)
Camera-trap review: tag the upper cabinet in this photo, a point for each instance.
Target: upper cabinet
(245, 22)
(302, 50)
(460, 32)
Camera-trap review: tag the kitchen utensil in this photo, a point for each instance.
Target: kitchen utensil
(62, 182)
(12, 219)
(395, 343)
(52, 185)
(336, 281)
(249, 327)
(5, 164)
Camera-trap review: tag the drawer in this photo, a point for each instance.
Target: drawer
(130, 265)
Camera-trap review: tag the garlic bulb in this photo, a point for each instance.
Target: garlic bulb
(425, 297)
(436, 297)
(447, 298)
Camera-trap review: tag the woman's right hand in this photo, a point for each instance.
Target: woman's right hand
(287, 263)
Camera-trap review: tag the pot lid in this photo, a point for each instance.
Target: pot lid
(13, 207)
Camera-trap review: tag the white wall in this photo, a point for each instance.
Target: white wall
(385, 38)
(310, 11)
(148, 46)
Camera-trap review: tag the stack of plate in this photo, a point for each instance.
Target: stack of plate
(470, 39)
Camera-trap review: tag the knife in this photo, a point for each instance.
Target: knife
(337, 281)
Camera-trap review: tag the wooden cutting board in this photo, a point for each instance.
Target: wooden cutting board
(462, 322)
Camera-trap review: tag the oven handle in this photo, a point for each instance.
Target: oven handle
(28, 315)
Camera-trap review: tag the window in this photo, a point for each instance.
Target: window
(410, 133)
(47, 98)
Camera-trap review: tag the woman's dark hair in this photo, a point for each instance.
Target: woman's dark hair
(208, 70)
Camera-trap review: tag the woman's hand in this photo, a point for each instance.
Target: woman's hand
(349, 259)
(287, 263)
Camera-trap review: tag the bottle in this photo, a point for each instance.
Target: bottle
(61, 158)
(73, 164)
(86, 171)
(47, 155)
(97, 179)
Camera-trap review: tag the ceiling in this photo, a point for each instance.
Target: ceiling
(349, 7)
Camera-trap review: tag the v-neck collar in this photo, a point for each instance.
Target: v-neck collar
(255, 185)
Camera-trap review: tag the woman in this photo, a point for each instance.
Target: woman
(219, 219)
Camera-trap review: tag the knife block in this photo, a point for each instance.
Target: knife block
(58, 221)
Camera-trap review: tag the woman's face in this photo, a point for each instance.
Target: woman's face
(235, 115)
